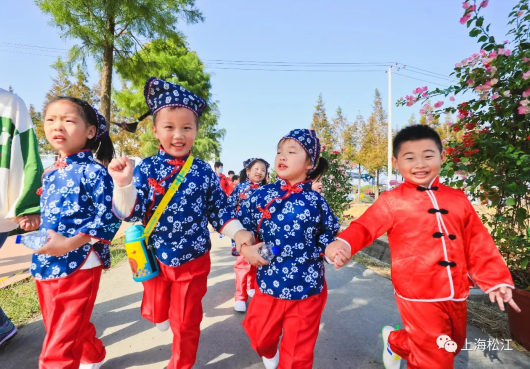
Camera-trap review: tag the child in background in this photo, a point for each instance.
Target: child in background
(231, 184)
(253, 177)
(437, 244)
(297, 224)
(76, 210)
(317, 185)
(236, 180)
(223, 180)
(181, 238)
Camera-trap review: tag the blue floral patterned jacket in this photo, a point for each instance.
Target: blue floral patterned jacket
(300, 222)
(76, 198)
(242, 192)
(181, 234)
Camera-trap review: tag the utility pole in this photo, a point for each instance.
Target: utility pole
(389, 126)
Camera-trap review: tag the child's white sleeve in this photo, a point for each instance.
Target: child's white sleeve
(124, 200)
(231, 228)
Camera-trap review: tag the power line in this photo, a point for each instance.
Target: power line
(20, 52)
(449, 79)
(34, 47)
(296, 63)
(419, 79)
(301, 70)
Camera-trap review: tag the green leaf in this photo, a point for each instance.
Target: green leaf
(474, 32)
(480, 21)
(483, 38)
(464, 159)
(510, 202)
(524, 263)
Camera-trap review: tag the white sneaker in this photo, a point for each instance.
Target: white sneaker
(91, 366)
(251, 292)
(164, 326)
(272, 363)
(240, 306)
(391, 360)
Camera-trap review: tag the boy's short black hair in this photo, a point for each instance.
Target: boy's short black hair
(415, 132)
(231, 172)
(218, 164)
(235, 177)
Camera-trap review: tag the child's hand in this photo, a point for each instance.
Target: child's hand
(333, 248)
(121, 170)
(252, 255)
(29, 222)
(341, 258)
(244, 238)
(501, 295)
(58, 245)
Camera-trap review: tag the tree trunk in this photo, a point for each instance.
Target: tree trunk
(106, 74)
(377, 184)
(359, 188)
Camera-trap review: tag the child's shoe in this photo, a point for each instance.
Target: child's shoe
(251, 292)
(7, 331)
(240, 306)
(391, 360)
(272, 363)
(164, 326)
(91, 366)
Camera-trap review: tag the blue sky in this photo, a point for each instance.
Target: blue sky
(259, 107)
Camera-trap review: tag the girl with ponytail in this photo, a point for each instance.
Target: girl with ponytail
(76, 211)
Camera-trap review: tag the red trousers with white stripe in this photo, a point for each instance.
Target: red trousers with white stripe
(66, 305)
(176, 294)
(424, 323)
(299, 321)
(245, 277)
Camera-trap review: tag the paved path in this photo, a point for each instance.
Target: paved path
(360, 302)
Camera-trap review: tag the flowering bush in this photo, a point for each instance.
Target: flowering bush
(489, 155)
(336, 183)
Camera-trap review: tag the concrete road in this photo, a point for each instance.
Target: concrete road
(360, 302)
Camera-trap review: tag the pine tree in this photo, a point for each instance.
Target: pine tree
(352, 138)
(373, 153)
(340, 124)
(321, 124)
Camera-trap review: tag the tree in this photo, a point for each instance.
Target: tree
(45, 148)
(110, 31)
(336, 182)
(340, 123)
(374, 144)
(412, 120)
(321, 125)
(173, 61)
(352, 137)
(490, 159)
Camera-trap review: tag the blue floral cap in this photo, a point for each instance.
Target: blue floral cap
(308, 139)
(248, 163)
(160, 94)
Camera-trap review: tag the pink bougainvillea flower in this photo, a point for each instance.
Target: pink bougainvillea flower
(526, 75)
(524, 102)
(465, 18)
(520, 14)
(524, 109)
(449, 123)
(470, 83)
(492, 70)
(495, 96)
(501, 51)
(506, 41)
(493, 82)
(526, 60)
(438, 104)
(493, 55)
(465, 5)
(424, 94)
(472, 8)
(507, 93)
(422, 111)
(483, 52)
(526, 93)
(484, 3)
(424, 88)
(452, 98)
(508, 52)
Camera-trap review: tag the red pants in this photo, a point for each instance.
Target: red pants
(176, 294)
(66, 305)
(424, 323)
(299, 320)
(245, 277)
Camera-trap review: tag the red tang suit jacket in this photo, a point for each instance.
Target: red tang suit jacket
(438, 244)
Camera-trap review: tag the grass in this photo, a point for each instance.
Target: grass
(485, 316)
(20, 301)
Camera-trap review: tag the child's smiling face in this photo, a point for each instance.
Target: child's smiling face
(419, 161)
(176, 129)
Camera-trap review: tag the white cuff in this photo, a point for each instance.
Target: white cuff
(498, 286)
(328, 260)
(346, 242)
(124, 199)
(231, 228)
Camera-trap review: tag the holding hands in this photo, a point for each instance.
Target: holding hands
(245, 246)
(29, 222)
(339, 252)
(121, 170)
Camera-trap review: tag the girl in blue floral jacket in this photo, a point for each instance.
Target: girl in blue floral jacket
(76, 210)
(297, 223)
(253, 176)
